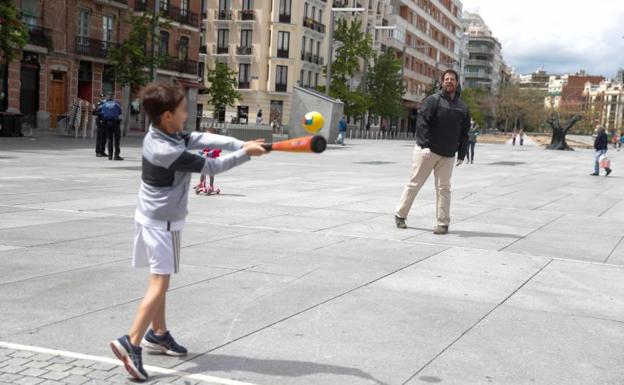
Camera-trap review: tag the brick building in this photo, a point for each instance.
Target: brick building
(69, 42)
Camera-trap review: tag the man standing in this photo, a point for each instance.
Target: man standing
(441, 131)
(111, 117)
(601, 144)
(342, 131)
(100, 138)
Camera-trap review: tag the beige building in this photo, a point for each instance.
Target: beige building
(604, 104)
(273, 45)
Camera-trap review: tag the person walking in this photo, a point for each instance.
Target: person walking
(600, 145)
(342, 131)
(472, 140)
(521, 137)
(441, 132)
(111, 116)
(100, 136)
(259, 117)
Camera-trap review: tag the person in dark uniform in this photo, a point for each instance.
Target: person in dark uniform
(100, 137)
(110, 112)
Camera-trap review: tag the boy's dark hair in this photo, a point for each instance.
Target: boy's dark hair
(158, 98)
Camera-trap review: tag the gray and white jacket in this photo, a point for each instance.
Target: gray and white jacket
(167, 168)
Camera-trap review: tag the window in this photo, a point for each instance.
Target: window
(309, 78)
(283, 44)
(301, 74)
(183, 48)
(247, 5)
(313, 12)
(164, 5)
(243, 75)
(281, 78)
(318, 48)
(320, 17)
(284, 11)
(316, 76)
(184, 6)
(107, 28)
(222, 38)
(245, 38)
(303, 44)
(224, 5)
(305, 11)
(30, 11)
(164, 43)
(83, 23)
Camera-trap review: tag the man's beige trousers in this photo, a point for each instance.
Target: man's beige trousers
(442, 168)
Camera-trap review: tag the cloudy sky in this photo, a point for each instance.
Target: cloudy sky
(559, 35)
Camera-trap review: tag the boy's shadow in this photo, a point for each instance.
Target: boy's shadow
(278, 368)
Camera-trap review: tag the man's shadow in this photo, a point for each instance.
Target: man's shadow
(472, 234)
(205, 364)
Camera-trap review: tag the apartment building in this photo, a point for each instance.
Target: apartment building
(604, 104)
(273, 45)
(69, 42)
(483, 67)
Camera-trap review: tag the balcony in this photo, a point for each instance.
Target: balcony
(218, 50)
(284, 19)
(182, 16)
(244, 85)
(223, 14)
(281, 87)
(93, 47)
(244, 50)
(283, 53)
(182, 66)
(247, 15)
(116, 3)
(313, 25)
(310, 58)
(41, 37)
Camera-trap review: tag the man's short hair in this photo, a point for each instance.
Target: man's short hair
(158, 98)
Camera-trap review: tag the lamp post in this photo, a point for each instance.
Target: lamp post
(330, 47)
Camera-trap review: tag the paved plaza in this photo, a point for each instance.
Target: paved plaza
(296, 275)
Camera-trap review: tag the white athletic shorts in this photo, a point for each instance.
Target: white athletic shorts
(157, 247)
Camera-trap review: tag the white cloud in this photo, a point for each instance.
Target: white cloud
(562, 36)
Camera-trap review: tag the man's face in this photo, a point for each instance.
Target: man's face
(449, 83)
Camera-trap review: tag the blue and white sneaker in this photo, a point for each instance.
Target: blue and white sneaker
(131, 357)
(164, 344)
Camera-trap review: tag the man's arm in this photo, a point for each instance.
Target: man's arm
(463, 138)
(198, 141)
(425, 118)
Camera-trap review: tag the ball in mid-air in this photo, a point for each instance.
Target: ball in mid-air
(313, 122)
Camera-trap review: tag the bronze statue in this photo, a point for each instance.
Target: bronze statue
(558, 141)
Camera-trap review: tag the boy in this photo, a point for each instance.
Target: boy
(161, 210)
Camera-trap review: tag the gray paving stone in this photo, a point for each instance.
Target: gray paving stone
(13, 369)
(55, 375)
(61, 360)
(83, 363)
(23, 354)
(79, 371)
(37, 364)
(9, 377)
(102, 366)
(33, 372)
(59, 367)
(29, 381)
(42, 357)
(75, 379)
(99, 375)
(17, 361)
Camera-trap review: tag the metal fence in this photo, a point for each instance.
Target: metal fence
(376, 134)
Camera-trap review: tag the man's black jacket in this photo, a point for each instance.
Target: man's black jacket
(602, 141)
(443, 125)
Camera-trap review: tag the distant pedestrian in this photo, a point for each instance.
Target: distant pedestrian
(513, 138)
(521, 137)
(111, 116)
(621, 141)
(600, 145)
(100, 136)
(615, 140)
(472, 140)
(342, 131)
(259, 117)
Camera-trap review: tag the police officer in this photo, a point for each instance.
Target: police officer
(110, 112)
(100, 138)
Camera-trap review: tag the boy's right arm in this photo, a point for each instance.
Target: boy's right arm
(198, 141)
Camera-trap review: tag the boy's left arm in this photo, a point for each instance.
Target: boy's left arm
(198, 141)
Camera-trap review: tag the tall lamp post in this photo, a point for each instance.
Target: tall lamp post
(330, 45)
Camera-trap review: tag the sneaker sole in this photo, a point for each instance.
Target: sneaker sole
(159, 348)
(122, 355)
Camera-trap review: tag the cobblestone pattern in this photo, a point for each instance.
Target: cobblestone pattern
(28, 368)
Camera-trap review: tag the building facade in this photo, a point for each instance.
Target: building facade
(69, 42)
(483, 68)
(565, 92)
(604, 104)
(432, 41)
(537, 80)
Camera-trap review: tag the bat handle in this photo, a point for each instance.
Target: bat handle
(267, 146)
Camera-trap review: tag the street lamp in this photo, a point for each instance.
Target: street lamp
(330, 48)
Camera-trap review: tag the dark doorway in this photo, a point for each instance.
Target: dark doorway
(29, 90)
(85, 83)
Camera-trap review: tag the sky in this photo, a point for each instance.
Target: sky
(560, 36)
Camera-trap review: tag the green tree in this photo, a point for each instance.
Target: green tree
(222, 90)
(474, 99)
(355, 47)
(13, 32)
(130, 61)
(433, 88)
(385, 86)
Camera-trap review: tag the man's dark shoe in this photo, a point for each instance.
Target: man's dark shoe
(594, 174)
(608, 170)
(164, 344)
(118, 157)
(400, 222)
(440, 230)
(131, 357)
(99, 155)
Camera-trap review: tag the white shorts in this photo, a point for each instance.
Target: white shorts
(157, 248)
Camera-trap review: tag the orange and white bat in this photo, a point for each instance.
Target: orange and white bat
(316, 144)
